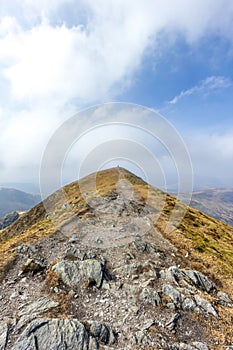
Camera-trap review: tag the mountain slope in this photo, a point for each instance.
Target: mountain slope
(217, 203)
(100, 269)
(12, 199)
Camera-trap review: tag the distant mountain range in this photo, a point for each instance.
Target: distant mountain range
(12, 199)
(217, 203)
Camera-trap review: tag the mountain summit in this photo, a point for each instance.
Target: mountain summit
(109, 262)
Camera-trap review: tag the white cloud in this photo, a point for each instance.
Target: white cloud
(209, 85)
(60, 55)
(212, 155)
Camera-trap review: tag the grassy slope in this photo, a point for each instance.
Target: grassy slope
(217, 203)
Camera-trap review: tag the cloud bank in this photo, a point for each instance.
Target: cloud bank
(58, 56)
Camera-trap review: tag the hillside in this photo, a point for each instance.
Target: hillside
(217, 203)
(12, 199)
(101, 268)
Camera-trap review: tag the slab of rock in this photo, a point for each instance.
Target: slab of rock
(206, 305)
(56, 334)
(41, 305)
(223, 298)
(195, 278)
(77, 274)
(189, 304)
(3, 335)
(173, 293)
(172, 323)
(199, 280)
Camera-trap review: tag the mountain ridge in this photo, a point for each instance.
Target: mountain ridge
(175, 276)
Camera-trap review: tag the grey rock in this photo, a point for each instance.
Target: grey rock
(102, 333)
(199, 280)
(33, 266)
(3, 335)
(41, 305)
(150, 296)
(182, 346)
(224, 298)
(173, 293)
(54, 334)
(172, 274)
(91, 255)
(80, 273)
(206, 305)
(65, 205)
(144, 247)
(140, 245)
(93, 344)
(148, 324)
(172, 323)
(24, 320)
(74, 252)
(200, 346)
(22, 249)
(195, 278)
(189, 304)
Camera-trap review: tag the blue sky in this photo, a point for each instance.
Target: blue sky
(60, 56)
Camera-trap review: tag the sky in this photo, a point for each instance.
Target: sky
(60, 57)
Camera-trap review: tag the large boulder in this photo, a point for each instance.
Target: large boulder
(56, 334)
(78, 274)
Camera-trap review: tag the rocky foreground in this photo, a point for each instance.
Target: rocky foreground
(73, 290)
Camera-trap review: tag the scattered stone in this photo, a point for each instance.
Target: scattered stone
(33, 266)
(99, 240)
(150, 296)
(22, 249)
(65, 205)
